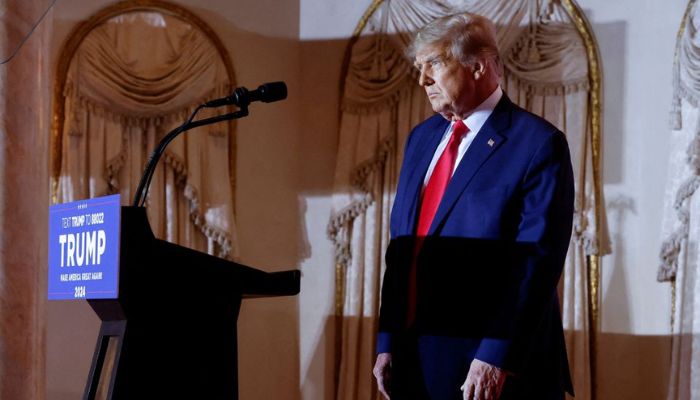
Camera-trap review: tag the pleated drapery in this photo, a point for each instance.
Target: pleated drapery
(134, 78)
(681, 225)
(546, 72)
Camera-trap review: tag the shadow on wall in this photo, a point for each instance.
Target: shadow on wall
(629, 366)
(612, 42)
(321, 63)
(616, 292)
(318, 377)
(633, 367)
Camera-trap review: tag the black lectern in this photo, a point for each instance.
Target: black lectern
(171, 334)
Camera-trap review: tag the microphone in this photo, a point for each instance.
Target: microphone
(241, 97)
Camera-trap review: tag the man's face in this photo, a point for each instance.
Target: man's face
(450, 86)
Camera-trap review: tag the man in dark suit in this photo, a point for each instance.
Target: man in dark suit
(480, 228)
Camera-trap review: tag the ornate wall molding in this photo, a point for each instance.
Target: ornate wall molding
(73, 42)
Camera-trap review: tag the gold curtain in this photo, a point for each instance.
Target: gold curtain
(134, 77)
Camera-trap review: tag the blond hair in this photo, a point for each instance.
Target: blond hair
(466, 37)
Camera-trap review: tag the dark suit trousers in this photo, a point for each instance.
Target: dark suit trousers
(435, 367)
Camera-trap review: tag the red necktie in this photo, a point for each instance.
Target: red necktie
(432, 195)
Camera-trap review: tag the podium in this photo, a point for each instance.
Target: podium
(171, 334)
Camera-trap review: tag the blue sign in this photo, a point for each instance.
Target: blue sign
(84, 249)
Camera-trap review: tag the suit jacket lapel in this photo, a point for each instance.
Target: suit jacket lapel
(487, 141)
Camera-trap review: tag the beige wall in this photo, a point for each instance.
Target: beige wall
(285, 169)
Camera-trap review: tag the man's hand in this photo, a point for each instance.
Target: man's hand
(382, 372)
(484, 382)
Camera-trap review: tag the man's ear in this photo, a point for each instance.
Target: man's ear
(478, 69)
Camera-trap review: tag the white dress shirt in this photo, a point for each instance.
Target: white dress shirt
(474, 122)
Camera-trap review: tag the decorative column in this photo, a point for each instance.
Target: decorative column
(24, 199)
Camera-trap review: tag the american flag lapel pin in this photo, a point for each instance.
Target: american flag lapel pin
(490, 142)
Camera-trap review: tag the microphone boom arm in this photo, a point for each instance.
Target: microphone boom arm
(142, 190)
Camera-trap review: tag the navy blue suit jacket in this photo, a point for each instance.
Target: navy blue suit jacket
(489, 268)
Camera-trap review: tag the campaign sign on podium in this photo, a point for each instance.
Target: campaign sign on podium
(84, 249)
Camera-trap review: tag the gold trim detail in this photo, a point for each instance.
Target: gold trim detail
(593, 280)
(595, 77)
(673, 304)
(339, 289)
(681, 30)
(594, 286)
(339, 316)
(365, 17)
(76, 37)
